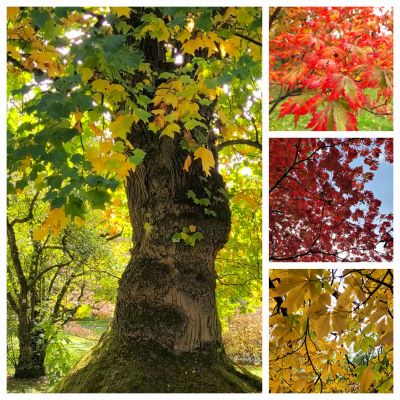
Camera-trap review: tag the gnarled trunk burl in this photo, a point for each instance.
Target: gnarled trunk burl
(165, 336)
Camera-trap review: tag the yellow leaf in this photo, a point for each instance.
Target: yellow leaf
(115, 87)
(14, 52)
(100, 85)
(57, 220)
(339, 319)
(192, 228)
(322, 326)
(170, 130)
(95, 129)
(121, 125)
(207, 159)
(366, 380)
(97, 163)
(106, 146)
(243, 16)
(40, 233)
(78, 116)
(243, 197)
(121, 11)
(187, 164)
(86, 74)
(190, 46)
(12, 13)
(186, 107)
(79, 221)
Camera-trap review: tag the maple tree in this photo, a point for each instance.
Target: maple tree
(331, 331)
(331, 63)
(152, 100)
(319, 208)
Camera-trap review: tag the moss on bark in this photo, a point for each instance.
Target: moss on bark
(115, 367)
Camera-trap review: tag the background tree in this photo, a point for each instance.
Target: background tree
(331, 330)
(49, 279)
(149, 97)
(332, 63)
(319, 207)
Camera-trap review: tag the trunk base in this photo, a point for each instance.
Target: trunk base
(113, 367)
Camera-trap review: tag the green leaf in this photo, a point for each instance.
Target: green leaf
(192, 123)
(204, 22)
(64, 135)
(176, 237)
(98, 198)
(166, 75)
(75, 206)
(138, 156)
(143, 114)
(67, 83)
(119, 147)
(39, 17)
(82, 101)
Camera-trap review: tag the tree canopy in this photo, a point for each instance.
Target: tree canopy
(331, 331)
(78, 83)
(330, 63)
(320, 209)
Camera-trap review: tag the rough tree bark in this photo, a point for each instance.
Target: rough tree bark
(165, 336)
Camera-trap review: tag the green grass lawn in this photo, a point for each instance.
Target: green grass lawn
(77, 347)
(366, 120)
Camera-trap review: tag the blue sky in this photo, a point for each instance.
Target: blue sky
(382, 183)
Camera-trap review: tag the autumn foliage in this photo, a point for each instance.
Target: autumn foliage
(331, 331)
(331, 63)
(319, 207)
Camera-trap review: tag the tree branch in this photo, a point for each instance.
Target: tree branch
(30, 212)
(273, 16)
(256, 42)
(234, 142)
(12, 302)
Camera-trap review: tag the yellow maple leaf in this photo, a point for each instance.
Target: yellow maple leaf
(187, 164)
(170, 130)
(95, 129)
(115, 87)
(186, 107)
(14, 52)
(207, 159)
(106, 146)
(86, 73)
(121, 11)
(243, 197)
(100, 85)
(79, 221)
(192, 228)
(78, 116)
(57, 220)
(40, 233)
(191, 45)
(97, 163)
(121, 125)
(12, 13)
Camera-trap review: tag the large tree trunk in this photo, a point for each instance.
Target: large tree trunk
(165, 336)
